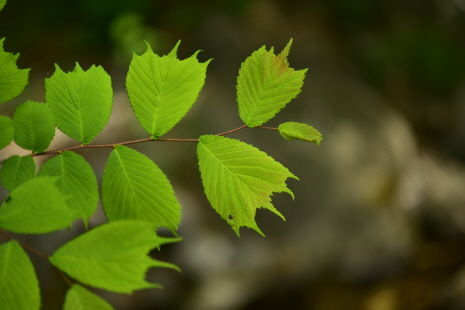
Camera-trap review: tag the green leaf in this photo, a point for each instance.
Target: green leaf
(239, 178)
(79, 298)
(6, 131)
(266, 84)
(2, 4)
(113, 256)
(19, 287)
(34, 126)
(75, 179)
(16, 170)
(163, 89)
(80, 101)
(12, 79)
(299, 131)
(134, 188)
(36, 207)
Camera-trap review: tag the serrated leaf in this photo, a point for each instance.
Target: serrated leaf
(6, 131)
(163, 89)
(34, 126)
(16, 170)
(81, 101)
(19, 287)
(79, 298)
(239, 179)
(300, 131)
(12, 79)
(134, 188)
(266, 84)
(113, 256)
(36, 207)
(77, 180)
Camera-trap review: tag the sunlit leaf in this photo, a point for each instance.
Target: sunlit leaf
(19, 287)
(79, 298)
(239, 178)
(134, 188)
(6, 131)
(80, 101)
(12, 79)
(113, 256)
(36, 207)
(163, 89)
(300, 131)
(34, 126)
(266, 84)
(16, 170)
(77, 180)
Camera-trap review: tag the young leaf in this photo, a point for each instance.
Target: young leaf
(6, 131)
(239, 178)
(79, 298)
(34, 126)
(36, 207)
(134, 188)
(80, 101)
(266, 84)
(75, 179)
(163, 89)
(12, 79)
(19, 287)
(16, 170)
(299, 131)
(113, 256)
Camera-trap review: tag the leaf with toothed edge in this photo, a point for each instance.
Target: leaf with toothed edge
(300, 131)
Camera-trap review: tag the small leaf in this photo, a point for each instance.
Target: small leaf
(266, 84)
(113, 256)
(36, 207)
(12, 79)
(6, 131)
(163, 89)
(16, 170)
(80, 101)
(239, 179)
(134, 188)
(299, 131)
(79, 298)
(34, 126)
(77, 180)
(19, 287)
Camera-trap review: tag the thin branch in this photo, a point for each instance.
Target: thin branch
(23, 245)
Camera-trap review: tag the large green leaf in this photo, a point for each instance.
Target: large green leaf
(34, 126)
(19, 287)
(36, 207)
(239, 178)
(300, 131)
(80, 101)
(134, 188)
(79, 298)
(266, 84)
(12, 79)
(16, 170)
(6, 131)
(163, 89)
(113, 256)
(75, 179)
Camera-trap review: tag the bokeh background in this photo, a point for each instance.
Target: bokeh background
(378, 222)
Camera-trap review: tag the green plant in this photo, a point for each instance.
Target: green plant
(136, 195)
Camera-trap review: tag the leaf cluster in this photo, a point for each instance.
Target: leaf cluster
(137, 196)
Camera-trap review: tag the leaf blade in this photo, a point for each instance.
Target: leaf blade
(6, 131)
(12, 79)
(134, 188)
(16, 170)
(163, 89)
(239, 179)
(79, 298)
(266, 84)
(19, 286)
(112, 256)
(300, 131)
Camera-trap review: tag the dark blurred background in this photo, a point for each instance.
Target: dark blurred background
(378, 221)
